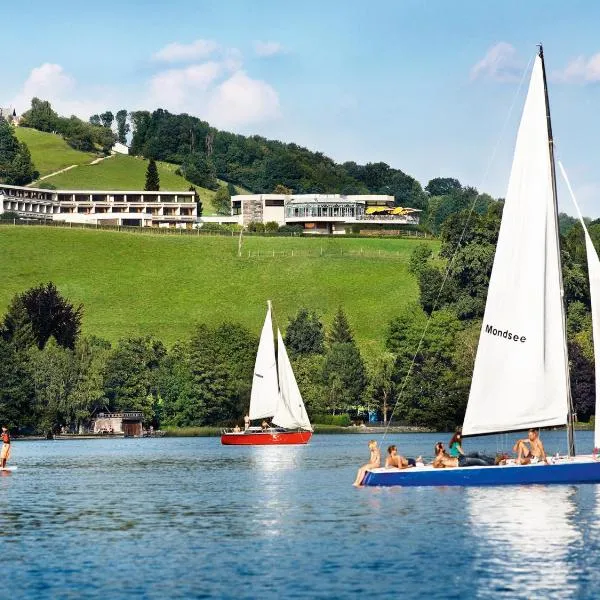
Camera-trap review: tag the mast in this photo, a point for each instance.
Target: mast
(570, 432)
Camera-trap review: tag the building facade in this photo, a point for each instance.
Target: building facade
(322, 213)
(133, 208)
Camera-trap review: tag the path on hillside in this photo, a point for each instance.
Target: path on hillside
(94, 162)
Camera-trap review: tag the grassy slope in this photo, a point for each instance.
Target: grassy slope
(125, 173)
(50, 152)
(133, 284)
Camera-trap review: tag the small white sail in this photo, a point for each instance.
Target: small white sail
(291, 412)
(594, 277)
(265, 391)
(520, 375)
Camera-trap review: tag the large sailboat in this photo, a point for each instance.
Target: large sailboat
(275, 395)
(521, 373)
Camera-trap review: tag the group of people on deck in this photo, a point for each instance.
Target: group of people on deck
(529, 450)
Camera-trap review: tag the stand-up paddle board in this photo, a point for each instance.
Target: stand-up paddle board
(9, 469)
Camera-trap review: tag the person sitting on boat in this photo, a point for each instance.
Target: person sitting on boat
(237, 429)
(5, 452)
(394, 459)
(455, 444)
(265, 425)
(530, 449)
(444, 460)
(374, 462)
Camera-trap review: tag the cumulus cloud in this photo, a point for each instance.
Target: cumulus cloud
(241, 100)
(579, 70)
(50, 82)
(175, 88)
(176, 52)
(499, 64)
(267, 48)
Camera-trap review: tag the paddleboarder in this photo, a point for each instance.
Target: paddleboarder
(5, 452)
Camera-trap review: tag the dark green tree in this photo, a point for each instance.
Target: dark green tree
(49, 314)
(199, 207)
(304, 334)
(40, 116)
(222, 201)
(95, 120)
(440, 186)
(152, 178)
(16, 167)
(340, 331)
(16, 387)
(344, 375)
(131, 376)
(123, 127)
(107, 119)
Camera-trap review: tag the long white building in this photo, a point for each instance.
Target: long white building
(133, 208)
(322, 213)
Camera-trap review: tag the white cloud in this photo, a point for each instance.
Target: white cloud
(267, 48)
(51, 82)
(579, 70)
(241, 100)
(176, 52)
(499, 64)
(176, 89)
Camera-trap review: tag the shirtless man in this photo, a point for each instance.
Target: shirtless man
(530, 448)
(394, 459)
(374, 462)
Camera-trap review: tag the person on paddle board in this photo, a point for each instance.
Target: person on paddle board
(5, 452)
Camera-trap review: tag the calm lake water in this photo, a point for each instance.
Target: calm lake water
(189, 518)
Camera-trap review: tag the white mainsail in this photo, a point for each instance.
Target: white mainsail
(265, 391)
(520, 377)
(594, 277)
(291, 412)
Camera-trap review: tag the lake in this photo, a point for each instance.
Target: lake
(189, 518)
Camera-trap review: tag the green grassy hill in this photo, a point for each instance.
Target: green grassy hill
(50, 152)
(134, 284)
(121, 172)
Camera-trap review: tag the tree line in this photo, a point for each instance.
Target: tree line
(52, 377)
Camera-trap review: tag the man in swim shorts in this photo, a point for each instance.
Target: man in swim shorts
(530, 449)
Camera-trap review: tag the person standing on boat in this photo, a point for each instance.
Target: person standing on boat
(5, 452)
(374, 462)
(246, 422)
(530, 448)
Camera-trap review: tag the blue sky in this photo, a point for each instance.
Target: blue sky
(425, 86)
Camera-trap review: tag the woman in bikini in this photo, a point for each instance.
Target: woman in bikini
(374, 462)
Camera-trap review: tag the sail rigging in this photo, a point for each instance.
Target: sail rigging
(275, 393)
(265, 390)
(520, 379)
(594, 278)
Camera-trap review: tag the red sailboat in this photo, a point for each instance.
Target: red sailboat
(275, 395)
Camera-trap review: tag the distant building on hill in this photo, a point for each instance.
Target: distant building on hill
(128, 424)
(94, 207)
(323, 213)
(9, 114)
(119, 148)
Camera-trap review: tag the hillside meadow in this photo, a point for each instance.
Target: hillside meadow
(138, 284)
(50, 152)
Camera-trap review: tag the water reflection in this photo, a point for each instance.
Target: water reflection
(524, 536)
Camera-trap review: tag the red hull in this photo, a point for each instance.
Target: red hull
(275, 438)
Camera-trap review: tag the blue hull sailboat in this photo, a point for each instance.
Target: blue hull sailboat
(521, 373)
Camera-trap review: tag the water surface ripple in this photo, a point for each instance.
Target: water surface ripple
(189, 518)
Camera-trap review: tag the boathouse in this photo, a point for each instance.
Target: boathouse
(127, 424)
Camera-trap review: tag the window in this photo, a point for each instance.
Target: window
(274, 202)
